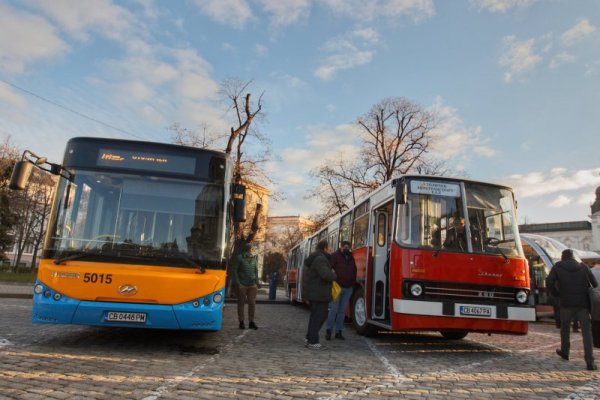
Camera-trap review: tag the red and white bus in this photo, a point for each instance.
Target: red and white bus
(413, 277)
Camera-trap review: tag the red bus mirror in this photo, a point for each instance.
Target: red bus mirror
(20, 175)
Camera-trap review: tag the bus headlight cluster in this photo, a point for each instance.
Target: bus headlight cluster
(38, 289)
(217, 298)
(521, 296)
(416, 289)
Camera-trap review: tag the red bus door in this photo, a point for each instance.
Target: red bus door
(381, 221)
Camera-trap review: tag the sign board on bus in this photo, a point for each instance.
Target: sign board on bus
(435, 188)
(146, 161)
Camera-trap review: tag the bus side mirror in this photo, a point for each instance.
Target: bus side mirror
(20, 175)
(401, 193)
(239, 202)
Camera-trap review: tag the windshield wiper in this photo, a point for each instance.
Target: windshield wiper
(60, 260)
(495, 243)
(190, 262)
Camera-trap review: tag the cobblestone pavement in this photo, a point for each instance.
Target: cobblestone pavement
(77, 362)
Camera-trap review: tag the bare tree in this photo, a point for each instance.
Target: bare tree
(396, 135)
(9, 154)
(203, 138)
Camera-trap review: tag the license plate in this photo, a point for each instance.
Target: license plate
(476, 310)
(115, 316)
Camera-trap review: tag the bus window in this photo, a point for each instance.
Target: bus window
(333, 240)
(381, 230)
(346, 228)
(361, 225)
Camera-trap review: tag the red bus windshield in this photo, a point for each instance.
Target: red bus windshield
(459, 217)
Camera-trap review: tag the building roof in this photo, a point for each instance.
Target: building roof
(556, 227)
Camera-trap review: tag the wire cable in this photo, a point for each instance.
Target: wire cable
(72, 110)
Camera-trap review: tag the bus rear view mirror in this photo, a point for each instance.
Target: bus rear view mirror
(20, 175)
(239, 203)
(401, 193)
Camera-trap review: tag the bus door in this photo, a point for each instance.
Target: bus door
(381, 221)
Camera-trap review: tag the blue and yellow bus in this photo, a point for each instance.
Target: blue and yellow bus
(137, 237)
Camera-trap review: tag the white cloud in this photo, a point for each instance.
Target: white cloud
(8, 96)
(519, 57)
(501, 5)
(577, 33)
(535, 184)
(347, 51)
(418, 10)
(586, 199)
(260, 49)
(228, 47)
(79, 18)
(560, 201)
(453, 137)
(368, 34)
(230, 12)
(562, 58)
(286, 12)
(37, 40)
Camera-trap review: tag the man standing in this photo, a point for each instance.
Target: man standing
(246, 276)
(344, 266)
(569, 280)
(317, 278)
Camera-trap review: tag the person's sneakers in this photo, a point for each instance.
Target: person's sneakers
(591, 367)
(328, 334)
(252, 325)
(339, 336)
(315, 346)
(242, 326)
(563, 355)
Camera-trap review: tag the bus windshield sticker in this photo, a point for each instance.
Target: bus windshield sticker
(435, 188)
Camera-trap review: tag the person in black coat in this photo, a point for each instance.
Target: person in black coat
(317, 278)
(569, 280)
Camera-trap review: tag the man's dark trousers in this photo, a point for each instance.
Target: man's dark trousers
(318, 315)
(568, 314)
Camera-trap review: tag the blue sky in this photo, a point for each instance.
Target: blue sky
(516, 82)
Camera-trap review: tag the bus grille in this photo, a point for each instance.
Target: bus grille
(461, 292)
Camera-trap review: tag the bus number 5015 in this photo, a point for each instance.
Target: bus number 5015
(93, 278)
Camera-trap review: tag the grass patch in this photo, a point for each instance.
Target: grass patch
(20, 277)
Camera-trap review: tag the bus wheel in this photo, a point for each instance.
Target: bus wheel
(359, 315)
(454, 335)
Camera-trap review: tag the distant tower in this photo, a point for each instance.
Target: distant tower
(596, 222)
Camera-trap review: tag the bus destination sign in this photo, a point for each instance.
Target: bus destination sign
(146, 161)
(435, 188)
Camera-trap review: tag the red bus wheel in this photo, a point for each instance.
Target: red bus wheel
(359, 314)
(454, 335)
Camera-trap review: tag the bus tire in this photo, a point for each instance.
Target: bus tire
(359, 315)
(454, 335)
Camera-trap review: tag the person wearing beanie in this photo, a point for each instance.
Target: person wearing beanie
(569, 281)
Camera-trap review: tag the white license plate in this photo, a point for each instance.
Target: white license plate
(115, 316)
(476, 310)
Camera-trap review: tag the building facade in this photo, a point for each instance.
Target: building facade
(582, 235)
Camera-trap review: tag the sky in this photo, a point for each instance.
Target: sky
(516, 83)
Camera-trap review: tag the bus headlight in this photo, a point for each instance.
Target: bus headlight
(416, 289)
(38, 289)
(206, 301)
(217, 297)
(521, 296)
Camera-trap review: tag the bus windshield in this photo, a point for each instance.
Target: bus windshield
(163, 221)
(435, 217)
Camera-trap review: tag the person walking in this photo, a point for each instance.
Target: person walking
(317, 279)
(596, 323)
(569, 280)
(344, 266)
(246, 277)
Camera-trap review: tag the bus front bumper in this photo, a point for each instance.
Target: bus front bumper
(464, 310)
(51, 307)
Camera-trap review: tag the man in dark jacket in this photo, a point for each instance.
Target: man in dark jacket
(316, 288)
(569, 280)
(344, 266)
